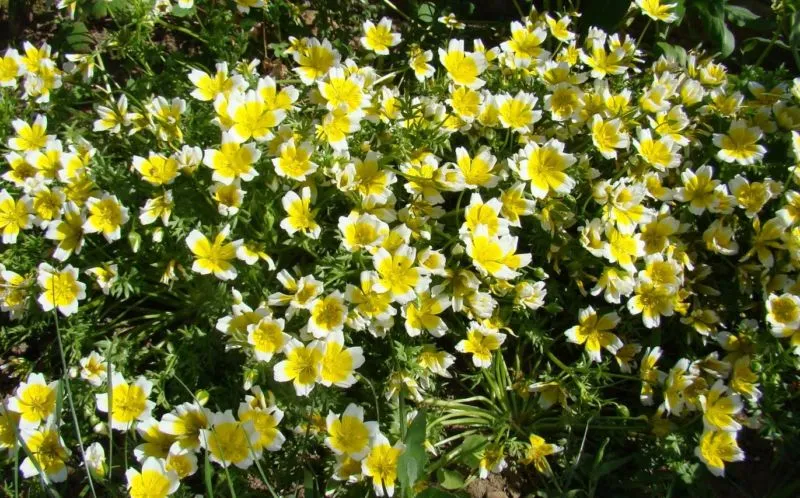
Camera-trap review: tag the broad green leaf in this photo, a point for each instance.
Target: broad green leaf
(740, 15)
(426, 12)
(450, 479)
(180, 12)
(411, 464)
(435, 493)
(712, 13)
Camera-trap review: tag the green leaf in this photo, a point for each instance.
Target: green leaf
(426, 12)
(77, 37)
(740, 15)
(675, 51)
(181, 12)
(470, 448)
(450, 479)
(712, 13)
(435, 493)
(309, 484)
(99, 9)
(411, 464)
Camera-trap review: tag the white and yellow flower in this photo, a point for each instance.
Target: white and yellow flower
(481, 342)
(379, 38)
(381, 464)
(398, 274)
(60, 289)
(128, 402)
(594, 333)
(463, 68)
(543, 166)
(228, 441)
(349, 434)
(233, 161)
(339, 363)
(740, 144)
(214, 257)
(47, 454)
(300, 216)
(106, 215)
(301, 366)
(328, 315)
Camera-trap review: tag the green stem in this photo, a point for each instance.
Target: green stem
(69, 398)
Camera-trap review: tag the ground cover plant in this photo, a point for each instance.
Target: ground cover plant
(269, 248)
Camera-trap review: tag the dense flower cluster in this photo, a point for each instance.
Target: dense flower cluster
(642, 176)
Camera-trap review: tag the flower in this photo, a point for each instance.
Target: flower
(314, 60)
(158, 207)
(538, 451)
(295, 161)
(214, 257)
(477, 171)
(659, 153)
(157, 169)
(652, 301)
(10, 68)
(300, 216)
(379, 38)
(129, 403)
(517, 112)
(267, 337)
(424, 314)
(228, 441)
(34, 400)
(184, 423)
(30, 137)
(15, 216)
(783, 313)
(338, 363)
(233, 161)
(481, 342)
(181, 461)
(418, 62)
(301, 366)
(328, 315)
(739, 145)
(608, 136)
(525, 43)
(719, 409)
(47, 455)
(96, 460)
(94, 369)
(60, 289)
(156, 442)
(397, 274)
(106, 216)
(337, 125)
(381, 464)
(362, 231)
(208, 88)
(105, 276)
(698, 189)
(716, 448)
(153, 480)
(463, 68)
(593, 332)
(265, 420)
(436, 361)
(251, 117)
(658, 11)
(543, 166)
(349, 434)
